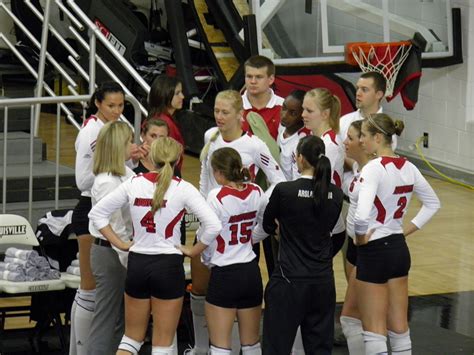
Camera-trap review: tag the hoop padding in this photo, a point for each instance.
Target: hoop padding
(384, 58)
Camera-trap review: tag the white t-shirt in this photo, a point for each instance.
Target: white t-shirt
(158, 233)
(85, 147)
(386, 187)
(288, 151)
(254, 153)
(335, 154)
(239, 211)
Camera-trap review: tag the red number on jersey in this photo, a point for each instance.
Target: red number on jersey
(402, 203)
(148, 221)
(245, 232)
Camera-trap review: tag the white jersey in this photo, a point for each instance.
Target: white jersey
(120, 220)
(353, 193)
(346, 121)
(335, 154)
(85, 147)
(158, 233)
(254, 153)
(386, 187)
(288, 152)
(239, 211)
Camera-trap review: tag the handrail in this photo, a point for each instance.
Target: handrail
(31, 101)
(38, 45)
(53, 30)
(85, 19)
(69, 114)
(104, 66)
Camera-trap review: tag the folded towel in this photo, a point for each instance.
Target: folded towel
(21, 253)
(12, 276)
(39, 262)
(75, 262)
(74, 270)
(32, 272)
(11, 267)
(12, 260)
(54, 274)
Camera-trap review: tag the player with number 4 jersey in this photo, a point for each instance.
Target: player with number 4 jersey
(155, 280)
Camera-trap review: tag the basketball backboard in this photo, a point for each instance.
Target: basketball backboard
(315, 31)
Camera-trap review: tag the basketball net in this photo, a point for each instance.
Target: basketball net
(386, 60)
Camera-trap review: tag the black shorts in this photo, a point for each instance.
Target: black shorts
(160, 276)
(235, 286)
(80, 220)
(351, 252)
(337, 240)
(383, 259)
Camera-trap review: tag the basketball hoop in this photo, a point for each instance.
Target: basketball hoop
(384, 58)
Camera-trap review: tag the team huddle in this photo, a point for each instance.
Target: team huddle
(275, 172)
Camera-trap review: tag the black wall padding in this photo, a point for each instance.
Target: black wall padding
(182, 55)
(230, 23)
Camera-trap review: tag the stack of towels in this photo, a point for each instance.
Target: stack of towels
(26, 265)
(73, 269)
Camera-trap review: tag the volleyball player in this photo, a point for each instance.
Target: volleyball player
(259, 96)
(350, 315)
(235, 285)
(301, 291)
(155, 275)
(291, 131)
(113, 148)
(228, 110)
(321, 111)
(383, 259)
(108, 100)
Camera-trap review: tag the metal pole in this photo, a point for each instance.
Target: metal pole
(68, 13)
(58, 145)
(41, 65)
(30, 176)
(92, 45)
(4, 182)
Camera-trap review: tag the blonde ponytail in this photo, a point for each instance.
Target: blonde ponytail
(165, 152)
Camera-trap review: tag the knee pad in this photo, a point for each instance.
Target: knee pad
(219, 351)
(162, 350)
(254, 349)
(400, 343)
(197, 304)
(351, 326)
(375, 343)
(130, 345)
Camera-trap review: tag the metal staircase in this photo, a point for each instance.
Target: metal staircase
(31, 185)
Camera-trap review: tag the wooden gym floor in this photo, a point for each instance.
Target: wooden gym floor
(442, 252)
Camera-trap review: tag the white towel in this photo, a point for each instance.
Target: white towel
(21, 253)
(75, 262)
(12, 276)
(74, 270)
(11, 267)
(9, 259)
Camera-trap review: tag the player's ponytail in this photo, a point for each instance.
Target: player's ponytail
(165, 152)
(312, 149)
(229, 163)
(384, 124)
(107, 87)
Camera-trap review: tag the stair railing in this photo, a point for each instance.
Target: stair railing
(32, 101)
